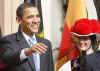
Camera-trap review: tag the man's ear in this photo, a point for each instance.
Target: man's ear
(18, 20)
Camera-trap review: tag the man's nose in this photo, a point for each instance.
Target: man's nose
(35, 18)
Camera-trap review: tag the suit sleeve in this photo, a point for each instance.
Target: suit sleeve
(9, 52)
(84, 65)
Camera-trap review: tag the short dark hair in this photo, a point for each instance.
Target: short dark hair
(19, 11)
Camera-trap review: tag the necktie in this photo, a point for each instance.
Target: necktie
(35, 55)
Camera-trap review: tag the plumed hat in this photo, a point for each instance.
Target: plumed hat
(85, 27)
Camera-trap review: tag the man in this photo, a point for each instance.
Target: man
(24, 50)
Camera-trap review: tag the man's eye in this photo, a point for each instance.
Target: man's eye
(30, 17)
(37, 15)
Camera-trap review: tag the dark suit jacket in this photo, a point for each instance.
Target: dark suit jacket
(91, 62)
(10, 49)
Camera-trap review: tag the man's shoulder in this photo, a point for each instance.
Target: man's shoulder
(9, 37)
(44, 40)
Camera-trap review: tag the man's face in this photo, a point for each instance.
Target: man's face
(30, 20)
(84, 44)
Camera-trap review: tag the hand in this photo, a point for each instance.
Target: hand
(39, 48)
(36, 48)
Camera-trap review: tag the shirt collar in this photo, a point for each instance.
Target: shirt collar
(27, 37)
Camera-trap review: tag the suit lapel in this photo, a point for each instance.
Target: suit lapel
(41, 55)
(24, 44)
(31, 62)
(41, 62)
